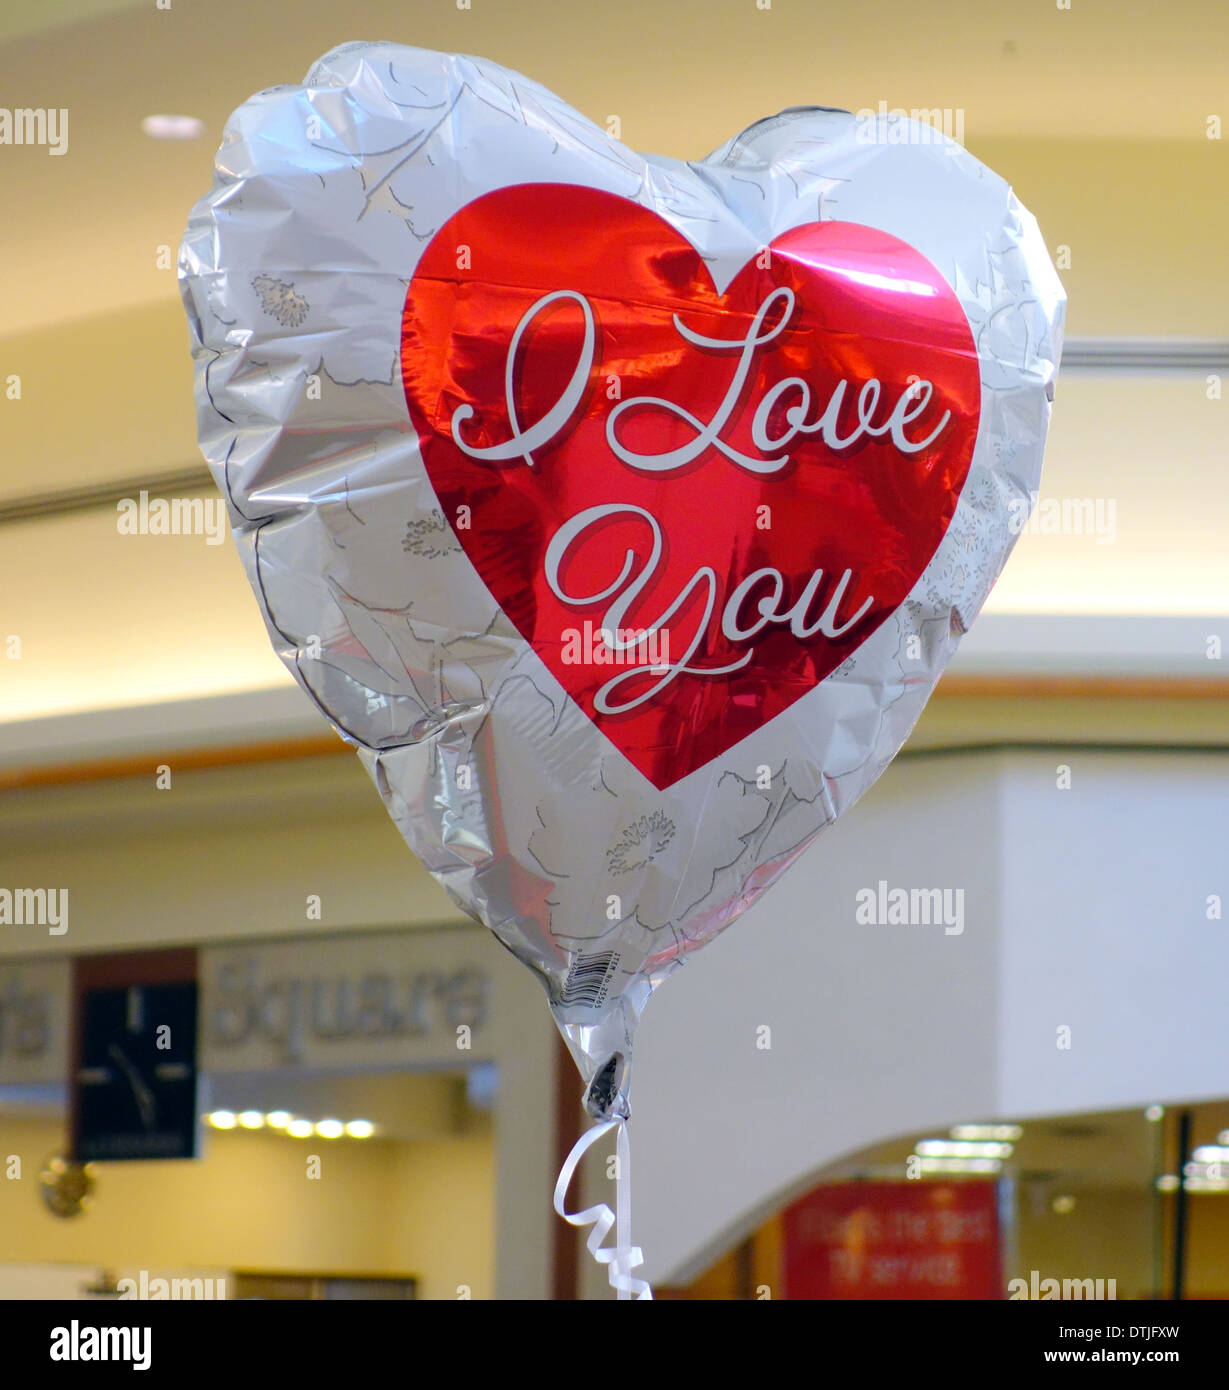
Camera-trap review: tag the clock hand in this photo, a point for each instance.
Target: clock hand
(144, 1097)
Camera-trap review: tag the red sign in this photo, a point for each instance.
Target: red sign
(894, 1240)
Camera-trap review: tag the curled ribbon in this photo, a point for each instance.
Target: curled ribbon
(621, 1257)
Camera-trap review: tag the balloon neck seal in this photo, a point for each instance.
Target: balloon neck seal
(606, 1098)
(602, 1046)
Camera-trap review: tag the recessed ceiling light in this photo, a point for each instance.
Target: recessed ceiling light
(960, 1165)
(968, 1148)
(330, 1129)
(278, 1119)
(222, 1119)
(1211, 1153)
(360, 1129)
(1201, 1178)
(300, 1129)
(173, 127)
(251, 1119)
(986, 1131)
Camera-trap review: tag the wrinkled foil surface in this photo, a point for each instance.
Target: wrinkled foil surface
(355, 283)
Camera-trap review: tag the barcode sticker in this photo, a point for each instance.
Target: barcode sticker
(589, 979)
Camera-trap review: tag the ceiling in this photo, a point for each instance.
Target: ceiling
(682, 77)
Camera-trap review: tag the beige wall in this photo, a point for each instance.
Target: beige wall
(107, 620)
(443, 1212)
(1208, 1246)
(1110, 1235)
(221, 855)
(425, 1209)
(1143, 220)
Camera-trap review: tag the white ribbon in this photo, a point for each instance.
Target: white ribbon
(621, 1257)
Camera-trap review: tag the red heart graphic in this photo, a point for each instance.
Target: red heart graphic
(668, 489)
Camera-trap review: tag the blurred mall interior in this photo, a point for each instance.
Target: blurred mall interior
(825, 1108)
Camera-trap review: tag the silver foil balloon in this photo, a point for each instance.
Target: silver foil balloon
(467, 368)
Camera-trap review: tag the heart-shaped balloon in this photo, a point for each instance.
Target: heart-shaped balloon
(622, 511)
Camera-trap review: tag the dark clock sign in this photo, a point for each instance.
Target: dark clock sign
(136, 1078)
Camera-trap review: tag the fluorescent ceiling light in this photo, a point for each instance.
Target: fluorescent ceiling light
(1211, 1153)
(948, 1148)
(961, 1165)
(986, 1131)
(173, 127)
